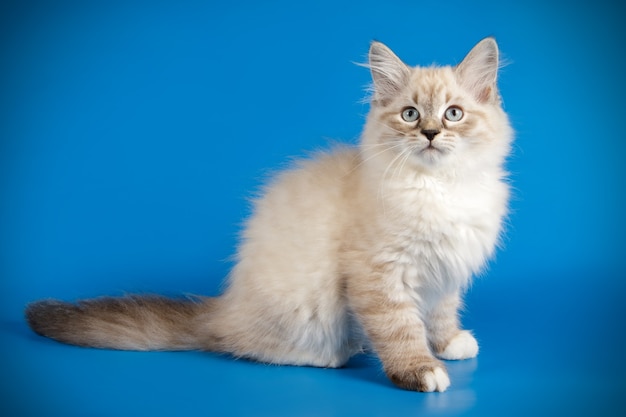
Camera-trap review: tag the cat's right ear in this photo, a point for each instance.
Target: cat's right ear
(389, 73)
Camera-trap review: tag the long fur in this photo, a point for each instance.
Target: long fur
(354, 248)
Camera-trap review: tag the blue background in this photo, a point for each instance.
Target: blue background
(133, 132)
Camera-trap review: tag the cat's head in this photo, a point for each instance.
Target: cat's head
(437, 117)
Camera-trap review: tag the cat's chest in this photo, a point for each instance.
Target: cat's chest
(437, 235)
(428, 206)
(450, 228)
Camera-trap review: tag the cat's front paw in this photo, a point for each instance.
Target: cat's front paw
(426, 377)
(461, 346)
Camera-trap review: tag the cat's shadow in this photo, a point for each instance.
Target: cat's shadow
(457, 399)
(363, 367)
(366, 367)
(18, 329)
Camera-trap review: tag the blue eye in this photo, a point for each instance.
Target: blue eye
(454, 114)
(410, 114)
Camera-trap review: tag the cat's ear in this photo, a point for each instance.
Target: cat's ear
(389, 73)
(479, 70)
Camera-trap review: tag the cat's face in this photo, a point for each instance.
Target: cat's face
(431, 117)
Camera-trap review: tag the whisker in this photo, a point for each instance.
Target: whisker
(378, 145)
(383, 177)
(390, 128)
(385, 147)
(409, 151)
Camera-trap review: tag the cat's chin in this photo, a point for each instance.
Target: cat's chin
(429, 156)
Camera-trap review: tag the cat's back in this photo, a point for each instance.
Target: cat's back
(327, 170)
(312, 185)
(303, 210)
(290, 243)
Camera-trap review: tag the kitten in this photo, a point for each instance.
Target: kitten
(368, 247)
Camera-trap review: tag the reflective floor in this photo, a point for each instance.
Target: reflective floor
(543, 353)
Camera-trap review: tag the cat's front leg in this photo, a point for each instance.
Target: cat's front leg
(446, 338)
(392, 322)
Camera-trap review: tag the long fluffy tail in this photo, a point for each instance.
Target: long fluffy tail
(125, 323)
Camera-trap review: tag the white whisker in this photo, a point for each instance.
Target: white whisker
(400, 169)
(390, 128)
(385, 147)
(383, 182)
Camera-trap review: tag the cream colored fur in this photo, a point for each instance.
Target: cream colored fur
(367, 247)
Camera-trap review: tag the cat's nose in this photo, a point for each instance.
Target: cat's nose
(430, 133)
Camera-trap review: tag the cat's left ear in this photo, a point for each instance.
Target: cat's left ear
(478, 72)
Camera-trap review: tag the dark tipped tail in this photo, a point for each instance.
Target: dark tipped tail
(125, 323)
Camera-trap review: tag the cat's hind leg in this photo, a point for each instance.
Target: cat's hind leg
(280, 335)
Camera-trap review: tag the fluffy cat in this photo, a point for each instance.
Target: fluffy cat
(369, 247)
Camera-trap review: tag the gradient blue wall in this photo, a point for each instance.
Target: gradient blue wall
(133, 132)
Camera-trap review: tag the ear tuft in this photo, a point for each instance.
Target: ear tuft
(389, 73)
(478, 71)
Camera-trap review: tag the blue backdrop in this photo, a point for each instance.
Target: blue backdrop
(133, 132)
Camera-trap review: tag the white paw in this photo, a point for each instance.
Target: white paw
(428, 376)
(462, 346)
(436, 380)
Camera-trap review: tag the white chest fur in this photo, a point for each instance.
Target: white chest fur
(439, 233)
